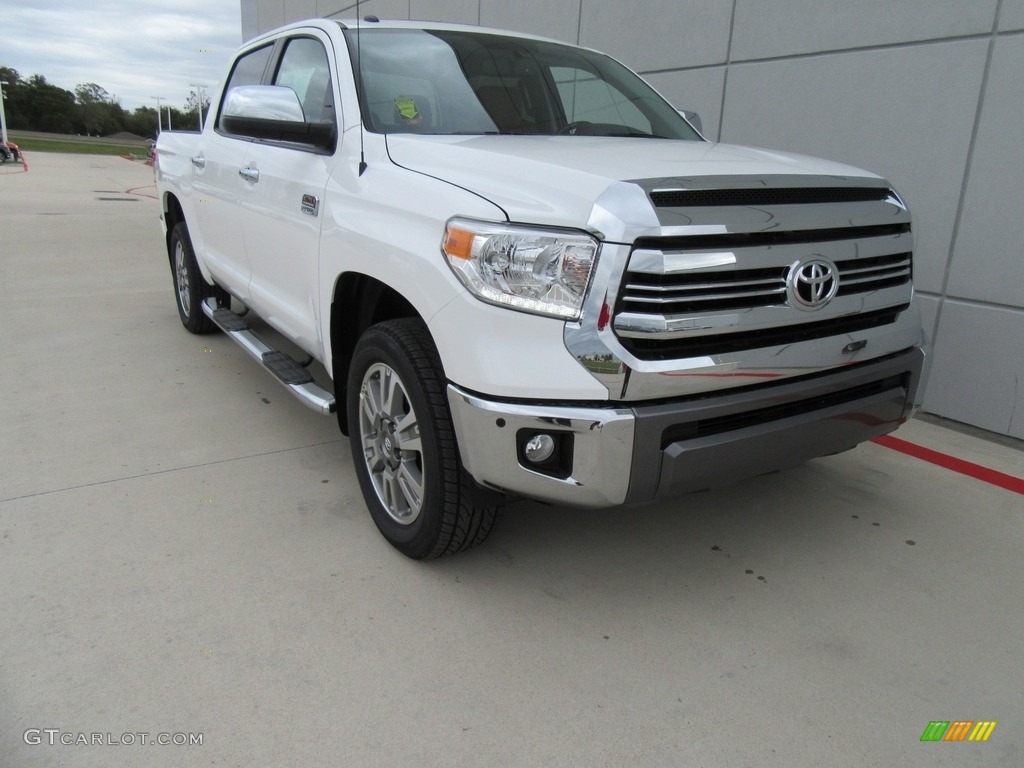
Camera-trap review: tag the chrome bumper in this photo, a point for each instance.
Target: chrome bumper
(643, 452)
(602, 448)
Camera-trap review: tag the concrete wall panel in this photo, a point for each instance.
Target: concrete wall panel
(559, 19)
(298, 10)
(250, 19)
(976, 377)
(457, 11)
(658, 34)
(1011, 15)
(346, 9)
(768, 28)
(929, 306)
(883, 110)
(271, 14)
(989, 263)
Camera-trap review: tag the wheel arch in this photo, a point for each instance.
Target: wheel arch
(173, 214)
(359, 301)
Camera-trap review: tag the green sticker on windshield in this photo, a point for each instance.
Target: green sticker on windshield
(406, 106)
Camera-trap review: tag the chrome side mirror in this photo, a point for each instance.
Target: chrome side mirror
(264, 102)
(273, 113)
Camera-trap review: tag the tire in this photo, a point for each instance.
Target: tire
(403, 446)
(190, 288)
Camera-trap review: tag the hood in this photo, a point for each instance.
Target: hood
(555, 180)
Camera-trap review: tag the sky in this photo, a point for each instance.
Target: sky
(135, 49)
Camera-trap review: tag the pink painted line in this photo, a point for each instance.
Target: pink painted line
(952, 463)
(134, 191)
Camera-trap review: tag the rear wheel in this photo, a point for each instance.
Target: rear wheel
(403, 445)
(190, 289)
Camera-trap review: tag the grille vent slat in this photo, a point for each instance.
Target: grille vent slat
(658, 349)
(675, 294)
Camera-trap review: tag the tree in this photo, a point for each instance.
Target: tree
(12, 97)
(47, 107)
(192, 103)
(98, 112)
(34, 104)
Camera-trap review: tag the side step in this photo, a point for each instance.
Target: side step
(288, 371)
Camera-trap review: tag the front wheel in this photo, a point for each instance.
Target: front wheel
(403, 445)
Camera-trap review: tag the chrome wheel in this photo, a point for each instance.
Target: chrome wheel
(404, 450)
(391, 445)
(181, 278)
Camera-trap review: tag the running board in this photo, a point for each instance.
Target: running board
(285, 368)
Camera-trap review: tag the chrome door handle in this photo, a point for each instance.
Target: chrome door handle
(249, 174)
(199, 162)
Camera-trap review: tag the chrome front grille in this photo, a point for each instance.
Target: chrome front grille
(748, 288)
(722, 278)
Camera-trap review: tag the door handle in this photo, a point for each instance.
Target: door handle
(199, 162)
(249, 174)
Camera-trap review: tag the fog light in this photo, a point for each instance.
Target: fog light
(539, 448)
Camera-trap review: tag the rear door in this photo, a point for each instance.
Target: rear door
(220, 192)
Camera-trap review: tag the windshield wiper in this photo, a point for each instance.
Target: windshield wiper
(635, 134)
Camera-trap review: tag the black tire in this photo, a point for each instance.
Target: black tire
(420, 497)
(190, 288)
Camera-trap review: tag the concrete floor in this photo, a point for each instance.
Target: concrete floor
(183, 549)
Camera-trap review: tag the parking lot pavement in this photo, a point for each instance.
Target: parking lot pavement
(184, 551)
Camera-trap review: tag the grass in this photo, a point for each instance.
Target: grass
(82, 145)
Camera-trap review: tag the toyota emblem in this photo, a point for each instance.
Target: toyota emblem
(811, 283)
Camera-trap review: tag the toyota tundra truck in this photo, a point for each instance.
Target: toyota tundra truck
(526, 275)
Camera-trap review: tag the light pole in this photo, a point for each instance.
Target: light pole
(199, 101)
(3, 115)
(159, 125)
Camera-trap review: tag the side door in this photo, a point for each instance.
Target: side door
(220, 192)
(282, 218)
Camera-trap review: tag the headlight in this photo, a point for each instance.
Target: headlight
(545, 271)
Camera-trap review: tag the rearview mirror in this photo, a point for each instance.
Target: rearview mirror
(273, 113)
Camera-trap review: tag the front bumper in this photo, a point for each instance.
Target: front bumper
(640, 452)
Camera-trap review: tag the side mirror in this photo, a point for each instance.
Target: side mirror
(693, 118)
(273, 113)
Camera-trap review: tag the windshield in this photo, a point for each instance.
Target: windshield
(467, 82)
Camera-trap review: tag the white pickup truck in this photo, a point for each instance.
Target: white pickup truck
(527, 275)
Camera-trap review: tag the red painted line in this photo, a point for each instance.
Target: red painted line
(24, 163)
(944, 460)
(134, 191)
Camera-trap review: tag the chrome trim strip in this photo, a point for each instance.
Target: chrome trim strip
(656, 262)
(630, 325)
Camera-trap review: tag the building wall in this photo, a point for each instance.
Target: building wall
(924, 92)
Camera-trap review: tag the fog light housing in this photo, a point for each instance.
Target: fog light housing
(539, 448)
(545, 451)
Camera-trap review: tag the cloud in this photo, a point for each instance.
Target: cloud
(134, 50)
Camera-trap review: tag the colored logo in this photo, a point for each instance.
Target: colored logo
(958, 730)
